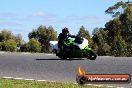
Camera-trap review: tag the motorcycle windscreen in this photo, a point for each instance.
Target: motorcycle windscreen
(83, 45)
(79, 40)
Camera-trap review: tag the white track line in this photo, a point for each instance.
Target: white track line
(98, 85)
(1, 52)
(48, 54)
(7, 77)
(41, 80)
(109, 86)
(30, 79)
(25, 53)
(18, 78)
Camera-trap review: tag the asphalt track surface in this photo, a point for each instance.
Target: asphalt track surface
(51, 68)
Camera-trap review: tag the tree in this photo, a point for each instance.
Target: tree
(0, 46)
(119, 47)
(104, 49)
(24, 47)
(8, 41)
(5, 35)
(18, 39)
(9, 45)
(129, 49)
(52, 33)
(120, 29)
(100, 36)
(117, 9)
(84, 33)
(95, 30)
(32, 46)
(44, 35)
(126, 19)
(115, 38)
(114, 28)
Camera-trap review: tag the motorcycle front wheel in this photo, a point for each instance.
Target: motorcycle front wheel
(91, 55)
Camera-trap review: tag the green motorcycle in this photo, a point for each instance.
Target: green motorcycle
(75, 48)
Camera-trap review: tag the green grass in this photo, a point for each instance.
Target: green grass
(11, 83)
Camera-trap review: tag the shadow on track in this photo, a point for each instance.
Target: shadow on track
(52, 59)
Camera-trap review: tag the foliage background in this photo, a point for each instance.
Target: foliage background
(114, 39)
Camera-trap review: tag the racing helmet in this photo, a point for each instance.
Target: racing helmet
(65, 30)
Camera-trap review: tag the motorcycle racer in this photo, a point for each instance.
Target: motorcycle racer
(62, 38)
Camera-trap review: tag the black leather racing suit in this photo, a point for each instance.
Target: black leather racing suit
(62, 38)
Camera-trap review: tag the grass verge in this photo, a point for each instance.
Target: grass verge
(11, 83)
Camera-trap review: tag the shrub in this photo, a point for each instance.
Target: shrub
(9, 45)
